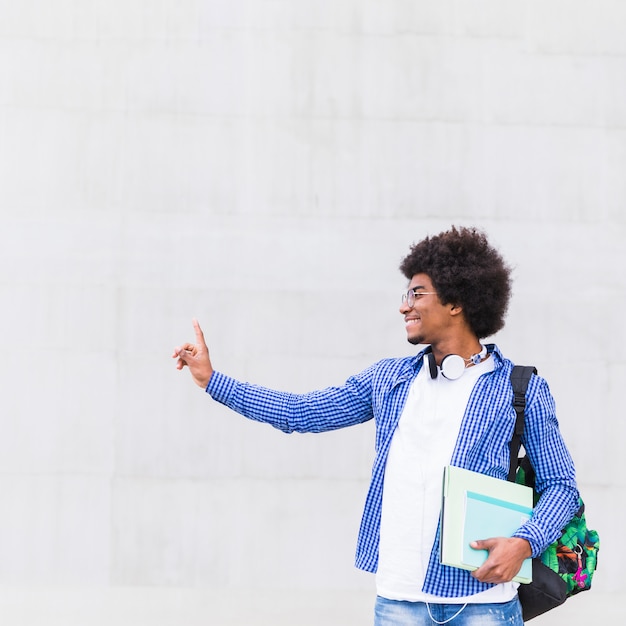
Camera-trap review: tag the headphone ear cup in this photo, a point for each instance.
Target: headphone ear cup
(452, 366)
(432, 365)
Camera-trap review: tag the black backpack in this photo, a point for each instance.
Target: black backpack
(566, 566)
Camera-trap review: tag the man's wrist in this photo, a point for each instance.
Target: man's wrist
(525, 546)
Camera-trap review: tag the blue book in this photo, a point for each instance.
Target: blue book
(487, 517)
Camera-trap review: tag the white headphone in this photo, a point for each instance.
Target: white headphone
(452, 365)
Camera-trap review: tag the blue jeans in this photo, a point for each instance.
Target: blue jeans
(401, 613)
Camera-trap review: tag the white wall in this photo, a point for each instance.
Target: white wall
(264, 165)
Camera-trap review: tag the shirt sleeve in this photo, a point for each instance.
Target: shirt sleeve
(555, 476)
(317, 411)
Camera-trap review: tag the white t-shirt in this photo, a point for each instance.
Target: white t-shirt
(422, 446)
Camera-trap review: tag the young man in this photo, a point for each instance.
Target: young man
(450, 404)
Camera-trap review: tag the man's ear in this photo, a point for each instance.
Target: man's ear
(456, 309)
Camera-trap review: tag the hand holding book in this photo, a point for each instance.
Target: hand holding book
(506, 555)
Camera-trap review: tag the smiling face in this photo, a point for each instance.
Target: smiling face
(428, 320)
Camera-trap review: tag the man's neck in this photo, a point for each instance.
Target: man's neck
(465, 348)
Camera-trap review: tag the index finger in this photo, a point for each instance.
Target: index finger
(199, 333)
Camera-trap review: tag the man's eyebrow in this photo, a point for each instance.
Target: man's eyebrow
(417, 287)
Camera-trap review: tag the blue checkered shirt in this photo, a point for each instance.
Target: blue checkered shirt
(379, 392)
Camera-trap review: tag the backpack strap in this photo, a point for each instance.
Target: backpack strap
(520, 376)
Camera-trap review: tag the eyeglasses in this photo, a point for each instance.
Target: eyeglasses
(411, 296)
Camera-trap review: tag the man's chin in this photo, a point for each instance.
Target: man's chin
(415, 341)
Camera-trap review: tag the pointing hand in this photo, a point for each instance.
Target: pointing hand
(196, 357)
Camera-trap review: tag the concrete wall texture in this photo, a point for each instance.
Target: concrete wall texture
(264, 165)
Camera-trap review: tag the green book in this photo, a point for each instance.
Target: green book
(476, 506)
